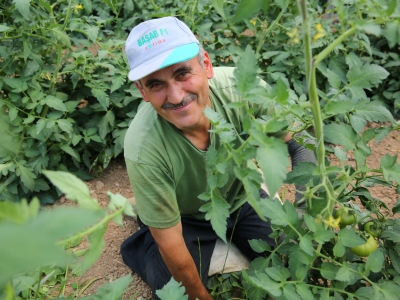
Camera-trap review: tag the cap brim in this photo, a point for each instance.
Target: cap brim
(174, 56)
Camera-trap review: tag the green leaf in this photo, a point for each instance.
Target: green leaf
(352, 60)
(339, 107)
(375, 261)
(391, 235)
(272, 157)
(246, 72)
(55, 103)
(24, 8)
(117, 82)
(394, 259)
(339, 249)
(26, 175)
(245, 10)
(329, 270)
(219, 7)
(350, 238)
(390, 170)
(373, 111)
(306, 245)
(392, 33)
(278, 273)
(310, 222)
(302, 173)
(366, 76)
(333, 79)
(395, 209)
(61, 36)
(264, 282)
(19, 212)
(304, 291)
(70, 151)
(65, 125)
(106, 124)
(73, 187)
(172, 290)
(273, 210)
(4, 28)
(289, 292)
(344, 273)
(92, 32)
(341, 134)
(114, 289)
(322, 235)
(41, 240)
(282, 93)
(391, 7)
(217, 211)
(102, 97)
(358, 123)
(259, 246)
(340, 154)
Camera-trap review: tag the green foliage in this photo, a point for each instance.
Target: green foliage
(41, 244)
(172, 290)
(66, 103)
(343, 86)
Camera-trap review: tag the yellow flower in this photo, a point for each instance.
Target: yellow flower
(294, 36)
(253, 21)
(332, 222)
(320, 32)
(77, 8)
(45, 76)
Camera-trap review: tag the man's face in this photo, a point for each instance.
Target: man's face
(179, 93)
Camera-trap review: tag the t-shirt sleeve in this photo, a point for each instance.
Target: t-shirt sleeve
(155, 195)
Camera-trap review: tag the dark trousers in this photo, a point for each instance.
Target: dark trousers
(141, 254)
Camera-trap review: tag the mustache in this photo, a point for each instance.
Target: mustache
(187, 99)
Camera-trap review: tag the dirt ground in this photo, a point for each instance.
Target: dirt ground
(115, 179)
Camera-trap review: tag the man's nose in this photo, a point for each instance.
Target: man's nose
(175, 93)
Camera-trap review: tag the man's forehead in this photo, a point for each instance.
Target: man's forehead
(170, 70)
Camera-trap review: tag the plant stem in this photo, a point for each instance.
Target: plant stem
(267, 30)
(324, 53)
(38, 284)
(91, 229)
(87, 285)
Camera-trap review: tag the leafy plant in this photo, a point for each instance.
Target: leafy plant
(335, 96)
(65, 102)
(41, 252)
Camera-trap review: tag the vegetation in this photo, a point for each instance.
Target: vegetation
(66, 104)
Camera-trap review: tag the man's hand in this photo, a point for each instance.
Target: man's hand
(176, 256)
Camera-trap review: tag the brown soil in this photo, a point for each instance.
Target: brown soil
(115, 179)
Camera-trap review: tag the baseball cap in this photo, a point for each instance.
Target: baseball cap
(155, 44)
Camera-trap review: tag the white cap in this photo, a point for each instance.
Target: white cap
(159, 43)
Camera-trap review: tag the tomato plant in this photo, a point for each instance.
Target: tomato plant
(372, 228)
(347, 217)
(367, 248)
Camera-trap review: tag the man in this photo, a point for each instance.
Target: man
(165, 152)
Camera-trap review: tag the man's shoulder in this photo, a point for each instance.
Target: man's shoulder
(223, 78)
(142, 131)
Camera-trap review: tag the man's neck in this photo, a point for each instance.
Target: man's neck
(200, 137)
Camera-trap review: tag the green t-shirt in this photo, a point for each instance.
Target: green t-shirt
(167, 172)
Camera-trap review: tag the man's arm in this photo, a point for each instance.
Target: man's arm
(180, 263)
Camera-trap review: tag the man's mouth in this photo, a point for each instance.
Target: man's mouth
(185, 102)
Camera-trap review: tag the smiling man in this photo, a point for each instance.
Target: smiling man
(165, 154)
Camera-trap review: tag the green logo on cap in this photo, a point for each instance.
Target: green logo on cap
(152, 35)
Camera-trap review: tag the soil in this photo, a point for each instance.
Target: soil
(115, 179)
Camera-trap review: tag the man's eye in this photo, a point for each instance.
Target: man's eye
(183, 74)
(154, 86)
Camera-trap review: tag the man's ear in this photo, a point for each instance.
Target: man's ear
(141, 90)
(208, 66)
